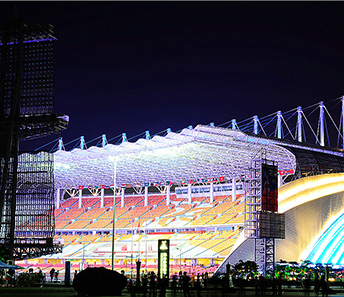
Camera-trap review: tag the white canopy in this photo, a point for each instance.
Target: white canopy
(198, 153)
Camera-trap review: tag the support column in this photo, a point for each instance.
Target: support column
(211, 192)
(58, 197)
(80, 198)
(102, 191)
(234, 124)
(299, 124)
(279, 124)
(265, 255)
(168, 195)
(279, 180)
(82, 143)
(122, 197)
(255, 124)
(104, 141)
(233, 189)
(146, 196)
(60, 144)
(322, 125)
(189, 193)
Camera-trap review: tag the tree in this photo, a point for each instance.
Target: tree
(247, 266)
(5, 254)
(250, 266)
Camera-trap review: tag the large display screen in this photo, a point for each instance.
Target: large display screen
(269, 188)
(271, 225)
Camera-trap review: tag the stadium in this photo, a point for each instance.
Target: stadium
(202, 188)
(190, 187)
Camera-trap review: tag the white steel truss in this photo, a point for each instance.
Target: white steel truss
(264, 252)
(264, 248)
(253, 199)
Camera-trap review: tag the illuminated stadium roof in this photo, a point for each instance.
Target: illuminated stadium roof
(199, 153)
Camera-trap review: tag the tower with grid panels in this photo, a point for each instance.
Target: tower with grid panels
(27, 112)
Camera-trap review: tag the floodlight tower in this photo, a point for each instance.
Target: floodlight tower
(26, 112)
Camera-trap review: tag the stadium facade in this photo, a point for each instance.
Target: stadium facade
(189, 187)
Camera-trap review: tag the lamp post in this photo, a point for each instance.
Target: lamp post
(83, 256)
(114, 214)
(180, 258)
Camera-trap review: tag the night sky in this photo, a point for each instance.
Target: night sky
(136, 66)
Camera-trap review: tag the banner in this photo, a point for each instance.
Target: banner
(285, 172)
(202, 180)
(163, 258)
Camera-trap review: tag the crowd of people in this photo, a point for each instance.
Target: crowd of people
(151, 284)
(238, 278)
(54, 275)
(316, 280)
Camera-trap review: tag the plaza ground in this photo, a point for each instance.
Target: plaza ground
(62, 291)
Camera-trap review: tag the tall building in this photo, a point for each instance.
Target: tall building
(37, 79)
(27, 112)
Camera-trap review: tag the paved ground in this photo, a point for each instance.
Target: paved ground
(61, 291)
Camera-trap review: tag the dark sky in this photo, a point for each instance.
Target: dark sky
(136, 66)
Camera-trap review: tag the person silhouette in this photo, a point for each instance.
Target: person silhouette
(186, 284)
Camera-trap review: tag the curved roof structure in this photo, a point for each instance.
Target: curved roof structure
(198, 153)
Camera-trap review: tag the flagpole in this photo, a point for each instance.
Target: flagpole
(113, 215)
(146, 244)
(132, 249)
(138, 229)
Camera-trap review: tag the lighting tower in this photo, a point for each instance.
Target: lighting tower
(27, 112)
